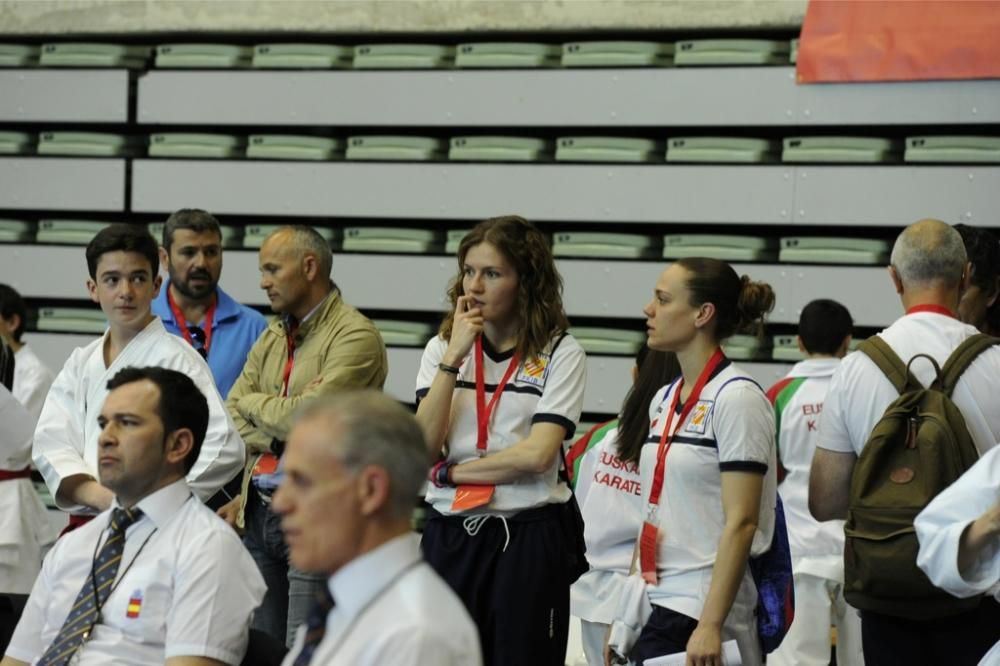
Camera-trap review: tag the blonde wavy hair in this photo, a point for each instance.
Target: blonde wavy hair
(540, 312)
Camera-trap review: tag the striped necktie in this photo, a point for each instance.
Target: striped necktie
(315, 626)
(94, 593)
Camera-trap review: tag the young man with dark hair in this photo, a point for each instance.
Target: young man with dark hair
(980, 302)
(123, 263)
(193, 306)
(158, 578)
(817, 548)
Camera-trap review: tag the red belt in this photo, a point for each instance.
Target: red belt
(7, 475)
(75, 521)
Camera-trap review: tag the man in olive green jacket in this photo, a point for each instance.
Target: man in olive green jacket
(317, 346)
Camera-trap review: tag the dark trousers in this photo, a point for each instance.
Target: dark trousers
(11, 607)
(518, 596)
(666, 632)
(952, 641)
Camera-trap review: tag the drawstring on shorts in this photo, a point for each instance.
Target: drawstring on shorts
(473, 524)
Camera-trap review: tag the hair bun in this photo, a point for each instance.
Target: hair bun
(756, 300)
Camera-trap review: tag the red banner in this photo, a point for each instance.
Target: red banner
(899, 40)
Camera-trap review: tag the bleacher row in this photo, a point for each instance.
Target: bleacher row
(580, 244)
(487, 148)
(632, 53)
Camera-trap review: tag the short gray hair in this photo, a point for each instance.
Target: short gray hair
(928, 252)
(376, 430)
(306, 240)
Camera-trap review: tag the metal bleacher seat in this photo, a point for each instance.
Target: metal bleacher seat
(728, 247)
(403, 56)
(728, 52)
(503, 55)
(722, 149)
(17, 143)
(16, 231)
(617, 54)
(600, 340)
(301, 56)
(396, 148)
(94, 54)
(834, 250)
(603, 245)
(401, 333)
(255, 234)
(957, 148)
(294, 147)
(392, 239)
(849, 149)
(608, 149)
(499, 149)
(89, 144)
(67, 231)
(72, 320)
(18, 55)
(196, 144)
(203, 56)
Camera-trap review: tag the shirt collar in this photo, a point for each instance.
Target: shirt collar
(163, 504)
(361, 580)
(815, 367)
(225, 307)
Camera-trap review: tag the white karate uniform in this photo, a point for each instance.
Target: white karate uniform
(941, 524)
(66, 437)
(23, 524)
(32, 380)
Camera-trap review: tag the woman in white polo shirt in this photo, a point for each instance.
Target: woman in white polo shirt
(499, 390)
(710, 459)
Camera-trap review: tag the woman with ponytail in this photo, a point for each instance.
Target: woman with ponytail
(499, 390)
(707, 470)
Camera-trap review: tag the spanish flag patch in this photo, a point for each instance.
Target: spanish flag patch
(134, 605)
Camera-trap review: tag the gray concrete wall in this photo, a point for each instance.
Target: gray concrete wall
(81, 17)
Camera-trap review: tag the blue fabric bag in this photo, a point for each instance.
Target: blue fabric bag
(772, 574)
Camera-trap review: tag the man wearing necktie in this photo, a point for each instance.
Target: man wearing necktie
(354, 466)
(158, 578)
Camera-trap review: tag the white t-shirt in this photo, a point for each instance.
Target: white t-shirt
(730, 428)
(859, 392)
(391, 608)
(546, 389)
(191, 585)
(608, 490)
(817, 548)
(65, 440)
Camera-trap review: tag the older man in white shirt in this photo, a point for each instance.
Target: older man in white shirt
(354, 465)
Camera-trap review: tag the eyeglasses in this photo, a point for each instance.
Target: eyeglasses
(198, 340)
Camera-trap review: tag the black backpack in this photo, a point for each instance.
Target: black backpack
(918, 448)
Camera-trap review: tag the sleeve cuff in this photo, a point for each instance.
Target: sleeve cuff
(743, 466)
(568, 425)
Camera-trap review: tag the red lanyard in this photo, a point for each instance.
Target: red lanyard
(931, 308)
(650, 528)
(290, 330)
(484, 411)
(181, 321)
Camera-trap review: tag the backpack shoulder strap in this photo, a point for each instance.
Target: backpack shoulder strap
(879, 351)
(962, 357)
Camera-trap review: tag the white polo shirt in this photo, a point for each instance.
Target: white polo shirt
(546, 389)
(817, 548)
(609, 492)
(731, 428)
(859, 392)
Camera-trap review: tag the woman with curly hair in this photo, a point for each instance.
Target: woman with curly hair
(500, 389)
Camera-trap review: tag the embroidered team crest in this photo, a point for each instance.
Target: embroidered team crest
(134, 605)
(534, 371)
(699, 417)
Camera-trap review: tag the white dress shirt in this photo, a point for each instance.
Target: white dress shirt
(391, 608)
(191, 585)
(66, 437)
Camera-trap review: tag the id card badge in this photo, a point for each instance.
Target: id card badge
(469, 496)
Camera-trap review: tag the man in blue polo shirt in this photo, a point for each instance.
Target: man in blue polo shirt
(193, 306)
